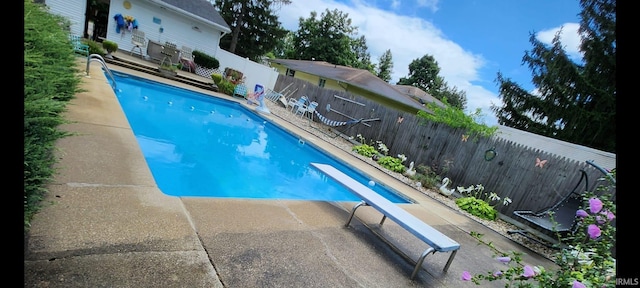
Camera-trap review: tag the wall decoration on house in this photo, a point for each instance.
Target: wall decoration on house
(126, 4)
(120, 23)
(124, 23)
(157, 20)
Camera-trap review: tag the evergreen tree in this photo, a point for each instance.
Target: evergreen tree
(255, 29)
(455, 97)
(573, 102)
(385, 66)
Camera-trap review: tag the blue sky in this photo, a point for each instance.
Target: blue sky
(472, 40)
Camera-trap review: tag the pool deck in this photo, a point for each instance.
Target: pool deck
(109, 225)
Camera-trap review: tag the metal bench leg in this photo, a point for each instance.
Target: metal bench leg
(384, 217)
(453, 254)
(420, 260)
(353, 211)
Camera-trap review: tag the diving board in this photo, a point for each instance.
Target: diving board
(437, 241)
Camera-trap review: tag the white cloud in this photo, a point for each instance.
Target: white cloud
(408, 38)
(431, 4)
(569, 37)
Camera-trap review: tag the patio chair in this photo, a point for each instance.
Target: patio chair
(187, 58)
(240, 91)
(139, 41)
(299, 104)
(557, 219)
(79, 46)
(309, 110)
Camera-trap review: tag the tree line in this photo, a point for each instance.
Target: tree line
(573, 102)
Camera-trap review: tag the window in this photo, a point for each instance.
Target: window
(291, 72)
(322, 82)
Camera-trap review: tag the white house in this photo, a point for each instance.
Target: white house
(193, 23)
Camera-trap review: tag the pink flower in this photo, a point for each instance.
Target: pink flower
(466, 276)
(505, 259)
(595, 205)
(581, 213)
(610, 215)
(599, 220)
(577, 284)
(594, 231)
(528, 272)
(497, 273)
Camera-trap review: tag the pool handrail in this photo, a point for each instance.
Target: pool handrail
(98, 58)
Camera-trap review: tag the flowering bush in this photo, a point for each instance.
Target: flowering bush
(364, 149)
(478, 202)
(382, 148)
(585, 260)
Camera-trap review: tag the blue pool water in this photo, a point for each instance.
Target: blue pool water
(202, 146)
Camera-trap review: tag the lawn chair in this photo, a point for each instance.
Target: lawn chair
(139, 41)
(187, 58)
(79, 46)
(557, 219)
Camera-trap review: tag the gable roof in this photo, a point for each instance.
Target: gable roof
(415, 92)
(355, 77)
(199, 9)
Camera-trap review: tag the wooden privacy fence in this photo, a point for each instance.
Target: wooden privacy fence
(511, 173)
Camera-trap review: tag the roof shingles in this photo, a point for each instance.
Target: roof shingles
(356, 77)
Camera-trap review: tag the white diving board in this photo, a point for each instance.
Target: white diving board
(437, 241)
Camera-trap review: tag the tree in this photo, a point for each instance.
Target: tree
(284, 48)
(572, 102)
(330, 38)
(456, 98)
(424, 74)
(255, 28)
(385, 66)
(362, 56)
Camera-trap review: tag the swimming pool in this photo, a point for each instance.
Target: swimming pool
(201, 146)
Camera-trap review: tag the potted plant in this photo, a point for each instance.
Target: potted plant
(110, 46)
(168, 70)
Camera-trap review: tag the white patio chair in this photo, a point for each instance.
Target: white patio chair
(187, 58)
(139, 41)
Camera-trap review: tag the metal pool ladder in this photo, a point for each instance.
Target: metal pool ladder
(98, 58)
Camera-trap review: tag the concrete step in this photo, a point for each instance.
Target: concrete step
(147, 68)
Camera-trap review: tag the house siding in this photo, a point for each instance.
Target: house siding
(177, 28)
(74, 10)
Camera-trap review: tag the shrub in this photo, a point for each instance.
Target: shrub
(95, 48)
(478, 203)
(477, 207)
(226, 87)
(205, 60)
(392, 163)
(456, 118)
(365, 150)
(217, 77)
(427, 177)
(110, 46)
(50, 81)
